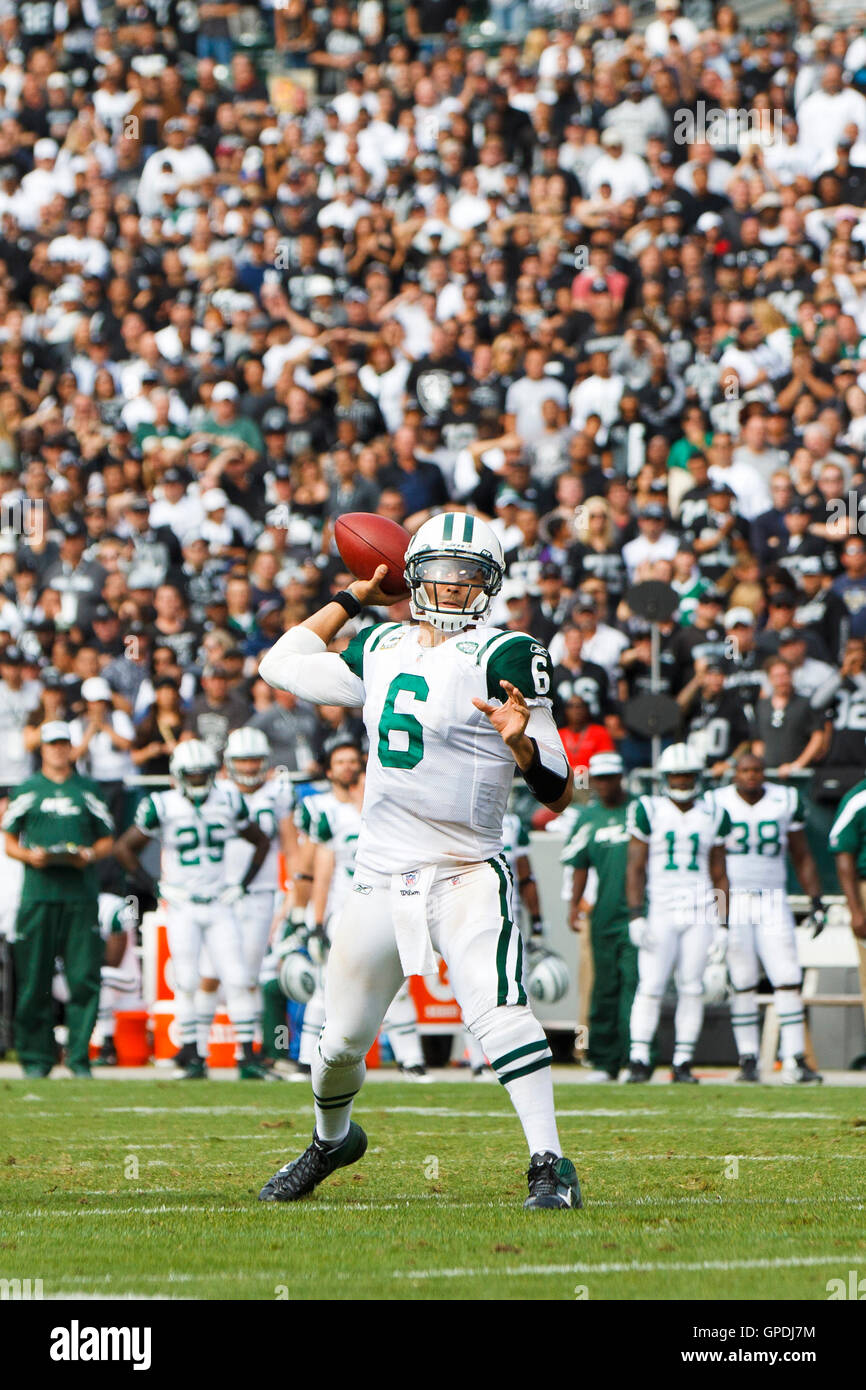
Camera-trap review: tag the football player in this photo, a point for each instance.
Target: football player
(195, 820)
(269, 801)
(120, 977)
(451, 705)
(676, 864)
(767, 823)
(332, 819)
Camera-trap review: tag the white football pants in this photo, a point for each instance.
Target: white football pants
(191, 927)
(761, 929)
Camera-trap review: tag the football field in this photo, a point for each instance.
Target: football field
(147, 1188)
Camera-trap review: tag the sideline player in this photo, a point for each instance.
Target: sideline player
(676, 863)
(451, 705)
(600, 841)
(269, 800)
(767, 823)
(195, 819)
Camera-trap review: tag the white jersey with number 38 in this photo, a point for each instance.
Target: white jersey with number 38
(756, 845)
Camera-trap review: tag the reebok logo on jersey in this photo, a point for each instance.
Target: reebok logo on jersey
(363, 888)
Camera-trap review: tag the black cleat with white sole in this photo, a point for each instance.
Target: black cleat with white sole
(748, 1069)
(683, 1072)
(553, 1184)
(298, 1178)
(638, 1072)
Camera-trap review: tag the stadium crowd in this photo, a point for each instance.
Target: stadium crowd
(366, 265)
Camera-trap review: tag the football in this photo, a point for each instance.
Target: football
(366, 541)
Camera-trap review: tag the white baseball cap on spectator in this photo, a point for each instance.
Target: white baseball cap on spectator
(46, 149)
(739, 617)
(55, 731)
(214, 500)
(95, 688)
(224, 391)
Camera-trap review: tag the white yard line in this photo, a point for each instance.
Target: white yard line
(635, 1267)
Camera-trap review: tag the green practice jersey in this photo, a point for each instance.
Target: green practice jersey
(600, 841)
(56, 815)
(848, 831)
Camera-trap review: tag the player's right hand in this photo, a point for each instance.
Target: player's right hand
(639, 933)
(858, 924)
(368, 592)
(719, 949)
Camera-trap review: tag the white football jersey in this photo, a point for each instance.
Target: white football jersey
(194, 838)
(438, 773)
(678, 876)
(329, 821)
(269, 805)
(757, 843)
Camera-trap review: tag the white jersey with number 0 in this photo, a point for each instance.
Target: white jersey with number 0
(269, 805)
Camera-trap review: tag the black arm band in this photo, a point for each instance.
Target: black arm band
(529, 878)
(303, 878)
(635, 912)
(347, 601)
(546, 786)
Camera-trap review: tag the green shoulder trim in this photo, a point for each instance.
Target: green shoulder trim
(147, 815)
(518, 658)
(365, 640)
(303, 816)
(322, 831)
(638, 819)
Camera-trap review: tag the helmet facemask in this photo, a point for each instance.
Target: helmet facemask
(451, 589)
(681, 794)
(199, 790)
(253, 778)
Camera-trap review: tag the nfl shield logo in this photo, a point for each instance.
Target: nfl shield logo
(411, 878)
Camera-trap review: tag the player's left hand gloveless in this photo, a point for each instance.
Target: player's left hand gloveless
(509, 719)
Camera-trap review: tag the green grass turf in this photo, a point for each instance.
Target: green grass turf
(149, 1188)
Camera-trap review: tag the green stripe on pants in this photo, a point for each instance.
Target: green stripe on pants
(504, 940)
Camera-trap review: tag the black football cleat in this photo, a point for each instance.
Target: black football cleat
(299, 1178)
(683, 1072)
(107, 1054)
(748, 1069)
(638, 1072)
(553, 1184)
(797, 1072)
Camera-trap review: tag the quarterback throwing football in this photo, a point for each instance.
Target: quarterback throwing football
(451, 705)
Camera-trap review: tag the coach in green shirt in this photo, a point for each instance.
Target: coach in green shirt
(58, 826)
(600, 841)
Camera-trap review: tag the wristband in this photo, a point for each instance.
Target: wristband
(347, 601)
(634, 913)
(521, 882)
(546, 786)
(303, 878)
(818, 904)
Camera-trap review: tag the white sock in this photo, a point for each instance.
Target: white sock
(745, 1021)
(643, 1024)
(334, 1089)
(792, 1023)
(687, 1026)
(514, 1040)
(314, 1018)
(239, 1009)
(401, 1025)
(205, 1008)
(184, 1014)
